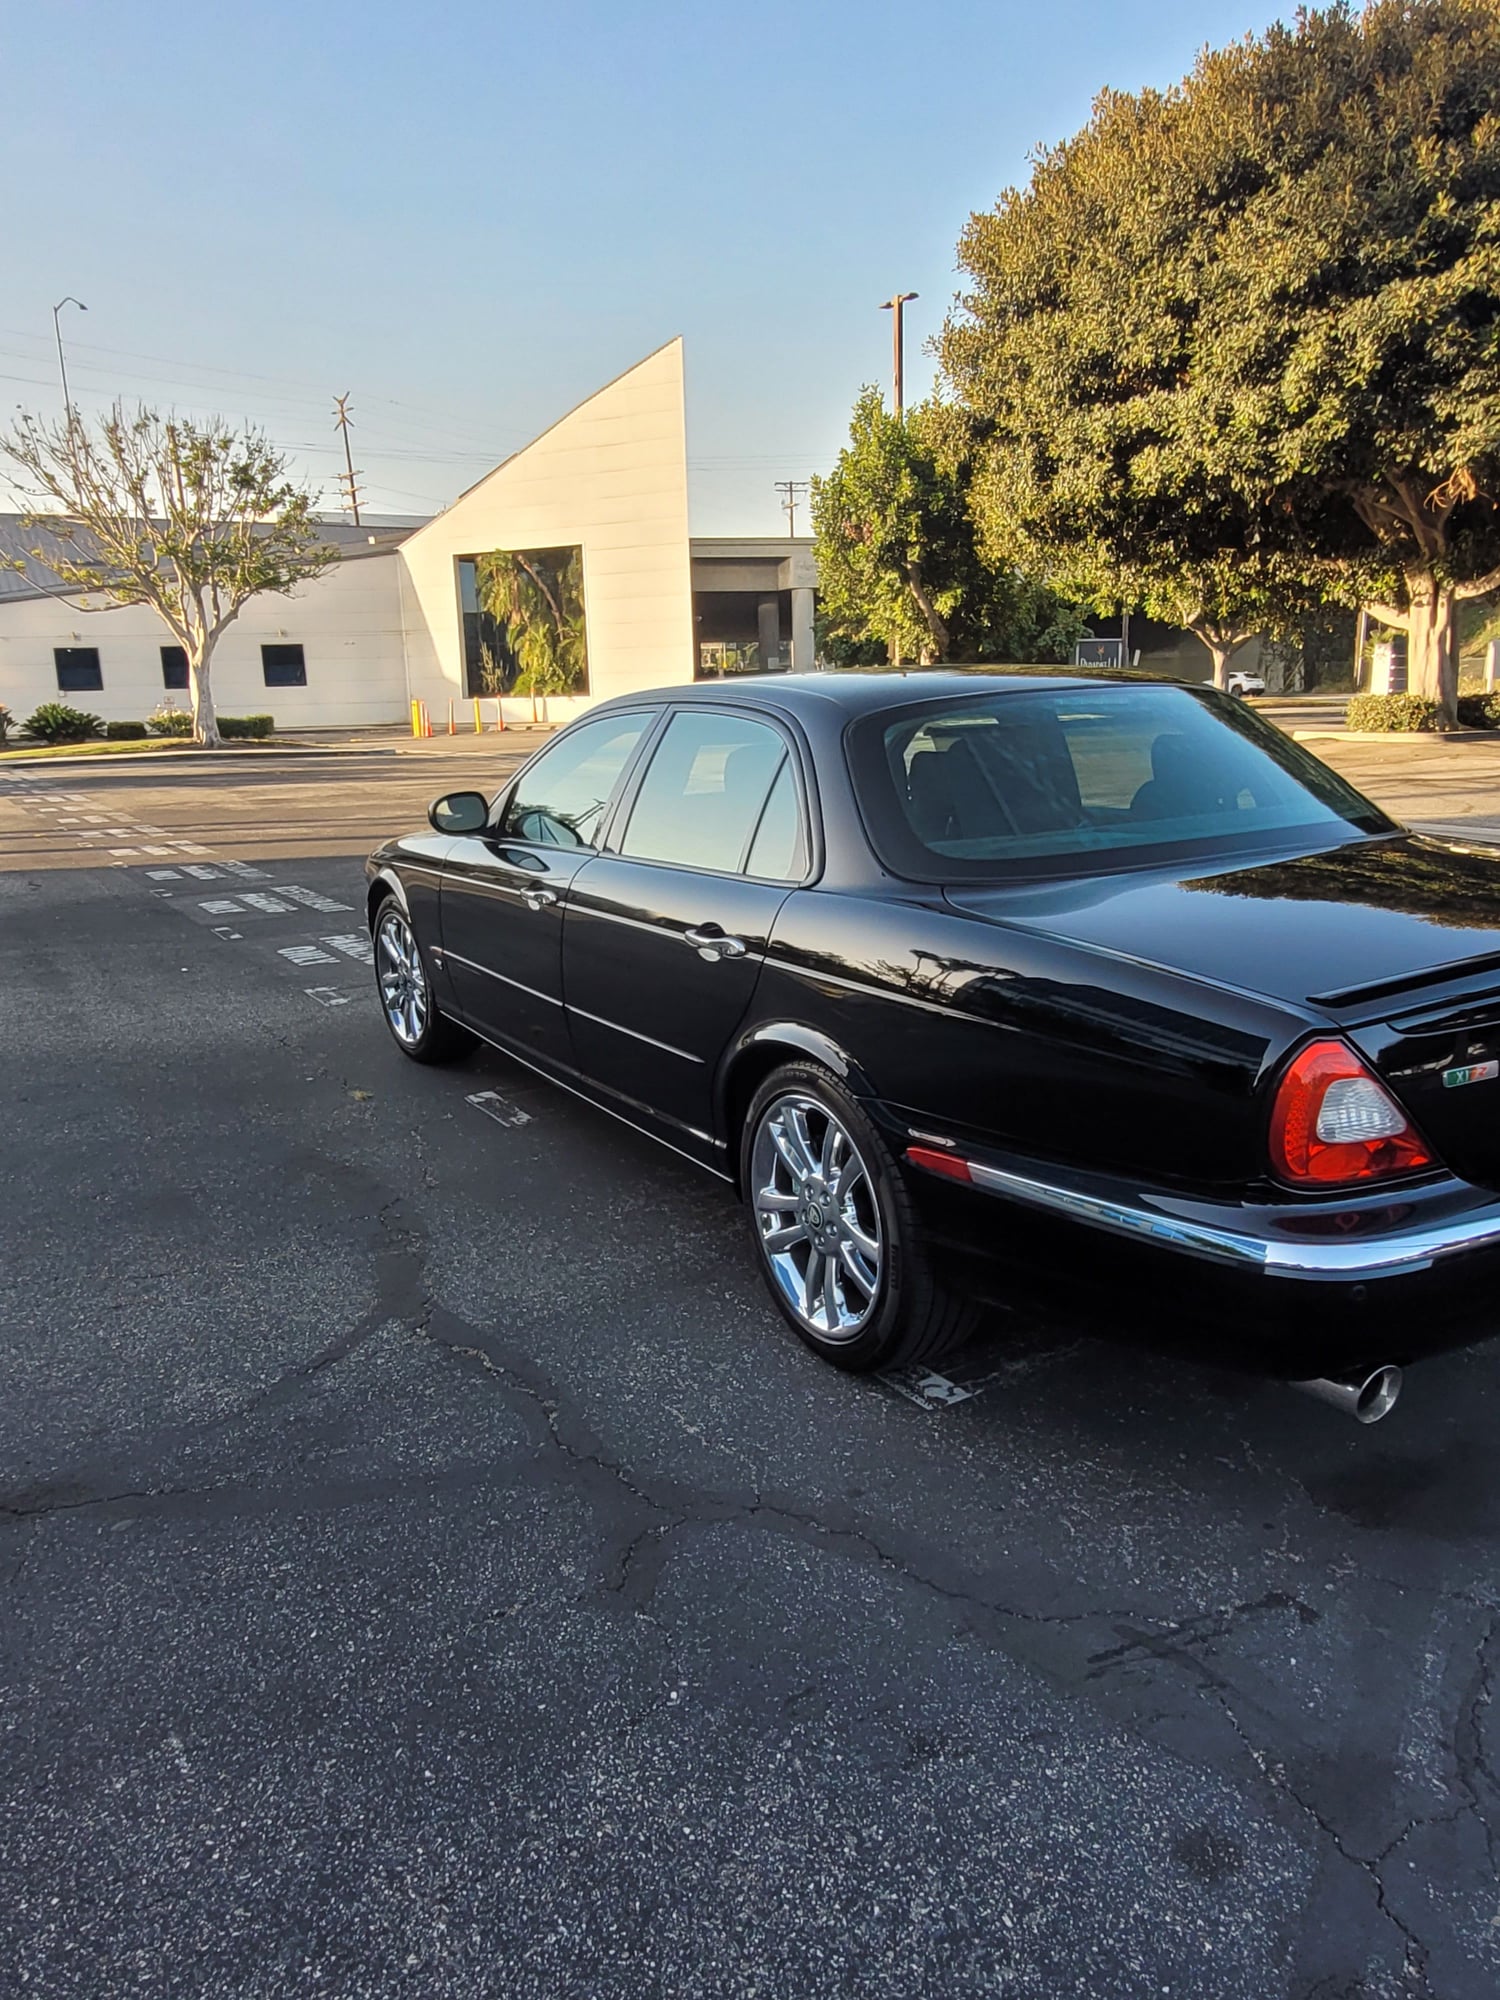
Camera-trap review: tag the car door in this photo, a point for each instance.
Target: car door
(505, 889)
(666, 931)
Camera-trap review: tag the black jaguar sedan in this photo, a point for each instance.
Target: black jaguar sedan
(998, 986)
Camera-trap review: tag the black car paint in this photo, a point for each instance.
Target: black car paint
(1127, 1026)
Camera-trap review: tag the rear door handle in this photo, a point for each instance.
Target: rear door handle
(711, 943)
(538, 899)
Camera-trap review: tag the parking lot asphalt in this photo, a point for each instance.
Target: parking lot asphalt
(427, 1566)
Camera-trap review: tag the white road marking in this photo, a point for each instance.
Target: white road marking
(224, 931)
(328, 996)
(240, 868)
(310, 898)
(156, 850)
(354, 944)
(164, 874)
(925, 1388)
(126, 853)
(267, 904)
(220, 906)
(306, 954)
(194, 847)
(200, 873)
(493, 1105)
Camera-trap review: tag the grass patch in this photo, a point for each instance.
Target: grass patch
(151, 746)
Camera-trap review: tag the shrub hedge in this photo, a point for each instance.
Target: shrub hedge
(56, 722)
(235, 726)
(1478, 708)
(1391, 712)
(170, 722)
(125, 732)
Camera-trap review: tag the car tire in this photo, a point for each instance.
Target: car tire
(835, 1230)
(404, 988)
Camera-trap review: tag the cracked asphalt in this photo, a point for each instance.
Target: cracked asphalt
(427, 1567)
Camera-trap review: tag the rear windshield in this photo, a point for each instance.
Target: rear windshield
(1071, 780)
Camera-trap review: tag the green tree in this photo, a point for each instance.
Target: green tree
(1256, 319)
(535, 597)
(898, 564)
(191, 520)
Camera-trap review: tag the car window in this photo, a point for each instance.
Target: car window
(561, 798)
(778, 852)
(704, 794)
(1057, 780)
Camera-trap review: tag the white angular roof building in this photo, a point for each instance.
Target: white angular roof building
(569, 565)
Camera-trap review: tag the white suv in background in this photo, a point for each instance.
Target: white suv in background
(1245, 683)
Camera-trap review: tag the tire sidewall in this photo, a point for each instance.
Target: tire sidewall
(900, 1251)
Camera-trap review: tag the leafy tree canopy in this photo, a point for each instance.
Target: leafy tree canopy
(191, 520)
(1250, 328)
(898, 566)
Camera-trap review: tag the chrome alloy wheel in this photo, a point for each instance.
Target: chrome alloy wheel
(818, 1217)
(403, 981)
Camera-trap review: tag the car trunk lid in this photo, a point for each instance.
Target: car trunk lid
(1396, 940)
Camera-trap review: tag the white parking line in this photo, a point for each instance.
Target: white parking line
(309, 898)
(328, 996)
(493, 1105)
(353, 944)
(306, 954)
(199, 873)
(164, 874)
(220, 906)
(268, 905)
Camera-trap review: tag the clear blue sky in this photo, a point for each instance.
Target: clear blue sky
(471, 215)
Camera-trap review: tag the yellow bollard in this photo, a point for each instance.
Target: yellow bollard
(478, 722)
(416, 718)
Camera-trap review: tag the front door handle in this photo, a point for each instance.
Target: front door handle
(711, 943)
(538, 899)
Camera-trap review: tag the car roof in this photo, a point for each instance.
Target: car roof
(857, 691)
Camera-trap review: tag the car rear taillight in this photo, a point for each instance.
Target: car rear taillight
(1334, 1124)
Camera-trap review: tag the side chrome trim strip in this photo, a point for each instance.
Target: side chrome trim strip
(1276, 1256)
(521, 987)
(597, 1104)
(683, 1055)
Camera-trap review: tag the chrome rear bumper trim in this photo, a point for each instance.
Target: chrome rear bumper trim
(1351, 1259)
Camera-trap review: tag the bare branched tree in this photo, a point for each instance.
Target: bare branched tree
(189, 519)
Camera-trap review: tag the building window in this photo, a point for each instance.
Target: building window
(174, 671)
(78, 670)
(283, 666)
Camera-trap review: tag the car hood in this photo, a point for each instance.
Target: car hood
(1365, 919)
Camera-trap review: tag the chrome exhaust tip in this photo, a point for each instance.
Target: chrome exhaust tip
(1367, 1394)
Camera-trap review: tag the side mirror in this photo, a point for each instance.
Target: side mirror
(460, 812)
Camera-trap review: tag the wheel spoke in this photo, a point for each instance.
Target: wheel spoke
(849, 1259)
(771, 1201)
(777, 1240)
(865, 1245)
(801, 1138)
(796, 1164)
(830, 1293)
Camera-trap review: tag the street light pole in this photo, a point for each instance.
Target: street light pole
(896, 307)
(62, 366)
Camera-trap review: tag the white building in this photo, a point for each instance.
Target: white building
(586, 527)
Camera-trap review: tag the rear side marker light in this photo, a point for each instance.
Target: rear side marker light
(1334, 1124)
(937, 1162)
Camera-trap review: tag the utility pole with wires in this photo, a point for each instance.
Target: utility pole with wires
(789, 489)
(348, 476)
